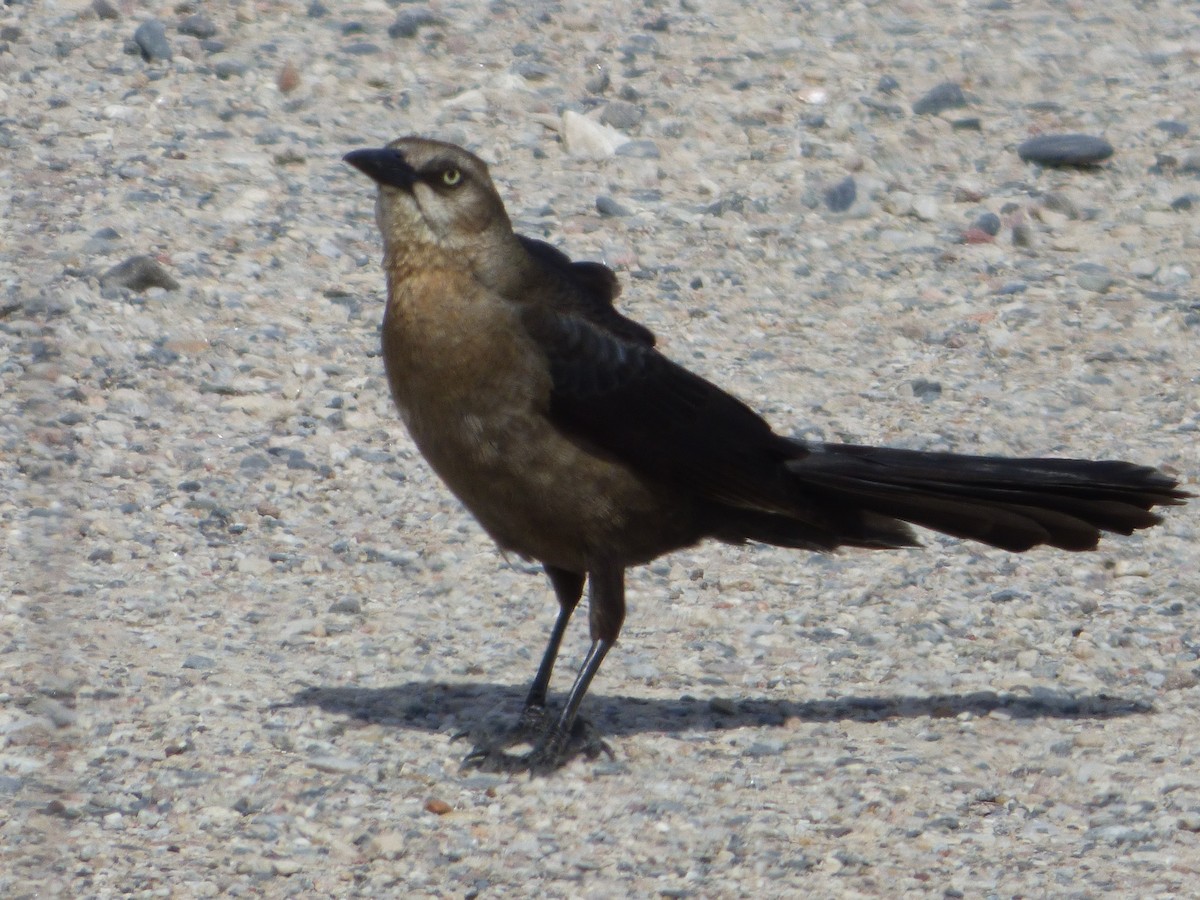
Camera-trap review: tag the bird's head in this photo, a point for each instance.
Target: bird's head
(432, 195)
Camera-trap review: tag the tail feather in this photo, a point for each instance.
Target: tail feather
(1013, 504)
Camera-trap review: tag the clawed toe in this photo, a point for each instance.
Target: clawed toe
(551, 746)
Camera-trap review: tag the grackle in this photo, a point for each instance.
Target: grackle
(576, 443)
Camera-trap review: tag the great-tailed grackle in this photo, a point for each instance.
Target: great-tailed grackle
(576, 443)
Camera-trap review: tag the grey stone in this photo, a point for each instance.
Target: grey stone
(151, 40)
(1065, 150)
(944, 96)
(139, 273)
(198, 26)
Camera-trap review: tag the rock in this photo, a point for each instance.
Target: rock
(598, 83)
(139, 273)
(473, 99)
(409, 22)
(988, 222)
(151, 41)
(1143, 268)
(607, 206)
(230, 68)
(588, 139)
(1022, 234)
(335, 765)
(841, 196)
(926, 209)
(1065, 150)
(198, 26)
(346, 606)
(946, 95)
(620, 114)
(289, 78)
(643, 149)
(1096, 282)
(1058, 202)
(1095, 277)
(926, 390)
(898, 203)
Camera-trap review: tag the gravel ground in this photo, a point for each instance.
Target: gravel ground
(241, 621)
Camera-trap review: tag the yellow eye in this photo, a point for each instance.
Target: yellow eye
(451, 177)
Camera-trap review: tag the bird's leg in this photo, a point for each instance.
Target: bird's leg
(606, 614)
(553, 743)
(568, 588)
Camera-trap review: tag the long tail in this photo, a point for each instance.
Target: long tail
(1014, 504)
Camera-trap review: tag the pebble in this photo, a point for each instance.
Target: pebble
(588, 139)
(607, 206)
(139, 273)
(347, 606)
(230, 68)
(1143, 268)
(151, 40)
(599, 82)
(337, 765)
(989, 223)
(1065, 150)
(1022, 234)
(1172, 128)
(947, 95)
(620, 114)
(225, 70)
(639, 149)
(926, 390)
(289, 77)
(199, 26)
(841, 196)
(411, 21)
(926, 209)
(1096, 282)
(887, 84)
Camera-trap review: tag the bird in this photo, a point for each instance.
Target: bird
(576, 443)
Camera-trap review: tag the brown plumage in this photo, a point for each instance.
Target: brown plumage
(574, 442)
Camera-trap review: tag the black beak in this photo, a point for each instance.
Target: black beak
(385, 166)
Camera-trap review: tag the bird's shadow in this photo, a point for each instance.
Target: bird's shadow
(439, 706)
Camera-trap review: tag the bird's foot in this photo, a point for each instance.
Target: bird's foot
(551, 747)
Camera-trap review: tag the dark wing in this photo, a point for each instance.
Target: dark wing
(587, 289)
(629, 402)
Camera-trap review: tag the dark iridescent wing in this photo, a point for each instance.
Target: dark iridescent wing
(628, 401)
(588, 289)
